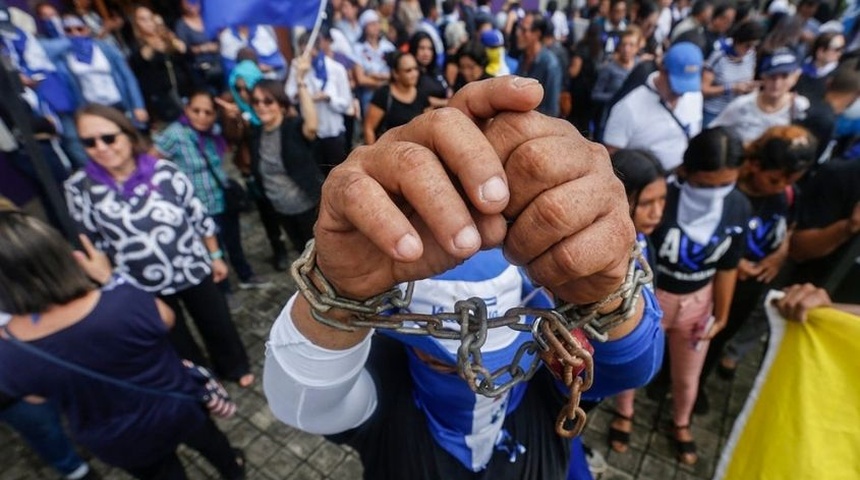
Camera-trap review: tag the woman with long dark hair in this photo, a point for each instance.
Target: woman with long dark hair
(430, 81)
(644, 182)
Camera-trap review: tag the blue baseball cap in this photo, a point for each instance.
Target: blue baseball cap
(783, 60)
(683, 64)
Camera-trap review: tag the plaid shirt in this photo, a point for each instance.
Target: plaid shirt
(179, 143)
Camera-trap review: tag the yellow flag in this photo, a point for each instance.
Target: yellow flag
(802, 419)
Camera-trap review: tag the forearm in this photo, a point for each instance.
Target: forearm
(724, 290)
(309, 110)
(313, 388)
(819, 242)
(211, 243)
(710, 90)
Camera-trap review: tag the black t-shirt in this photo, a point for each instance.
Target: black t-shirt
(821, 121)
(830, 196)
(431, 86)
(768, 224)
(398, 113)
(685, 266)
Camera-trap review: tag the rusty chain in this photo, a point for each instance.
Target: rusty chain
(553, 342)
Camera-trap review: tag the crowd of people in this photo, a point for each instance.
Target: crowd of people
(733, 127)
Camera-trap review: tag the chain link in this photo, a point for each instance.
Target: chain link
(568, 357)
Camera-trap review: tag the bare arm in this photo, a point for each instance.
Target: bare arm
(365, 80)
(813, 243)
(371, 122)
(724, 290)
(166, 313)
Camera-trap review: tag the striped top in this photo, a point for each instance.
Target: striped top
(728, 71)
(179, 143)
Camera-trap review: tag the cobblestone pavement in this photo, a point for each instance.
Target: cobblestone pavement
(276, 451)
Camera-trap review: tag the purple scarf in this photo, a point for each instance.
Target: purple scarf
(142, 175)
(220, 143)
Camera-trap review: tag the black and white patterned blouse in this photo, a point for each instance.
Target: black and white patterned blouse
(154, 235)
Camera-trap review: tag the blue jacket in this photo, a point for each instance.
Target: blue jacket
(126, 82)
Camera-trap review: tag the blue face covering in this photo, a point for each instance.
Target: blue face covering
(318, 64)
(82, 48)
(51, 27)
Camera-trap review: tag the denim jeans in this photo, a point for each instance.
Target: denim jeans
(39, 425)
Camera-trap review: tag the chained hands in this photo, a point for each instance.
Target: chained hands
(487, 171)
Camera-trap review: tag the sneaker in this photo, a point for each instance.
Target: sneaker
(596, 461)
(254, 282)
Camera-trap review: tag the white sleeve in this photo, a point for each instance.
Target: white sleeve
(314, 389)
(617, 133)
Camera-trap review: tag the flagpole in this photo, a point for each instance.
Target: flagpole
(312, 40)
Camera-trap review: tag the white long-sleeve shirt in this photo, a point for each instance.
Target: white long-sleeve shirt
(329, 113)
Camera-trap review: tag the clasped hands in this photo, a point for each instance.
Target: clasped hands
(487, 171)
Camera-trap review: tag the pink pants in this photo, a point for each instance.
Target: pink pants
(684, 317)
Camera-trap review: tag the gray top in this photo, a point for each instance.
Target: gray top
(281, 190)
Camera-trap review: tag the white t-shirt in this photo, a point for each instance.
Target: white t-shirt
(639, 120)
(748, 121)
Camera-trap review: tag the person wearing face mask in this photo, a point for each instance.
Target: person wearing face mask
(772, 165)
(43, 83)
(699, 244)
(748, 116)
(331, 95)
(48, 21)
(96, 70)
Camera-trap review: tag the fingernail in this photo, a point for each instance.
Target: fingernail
(408, 246)
(524, 82)
(468, 238)
(494, 190)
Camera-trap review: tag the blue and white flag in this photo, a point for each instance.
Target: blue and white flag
(218, 14)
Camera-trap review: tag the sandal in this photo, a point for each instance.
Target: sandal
(726, 372)
(246, 380)
(240, 461)
(619, 440)
(686, 448)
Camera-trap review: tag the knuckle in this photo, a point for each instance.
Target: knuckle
(570, 265)
(550, 214)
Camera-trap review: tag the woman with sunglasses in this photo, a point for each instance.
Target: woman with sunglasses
(398, 102)
(198, 150)
(817, 69)
(143, 213)
(282, 156)
(102, 354)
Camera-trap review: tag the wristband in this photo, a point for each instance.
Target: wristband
(217, 254)
(727, 89)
